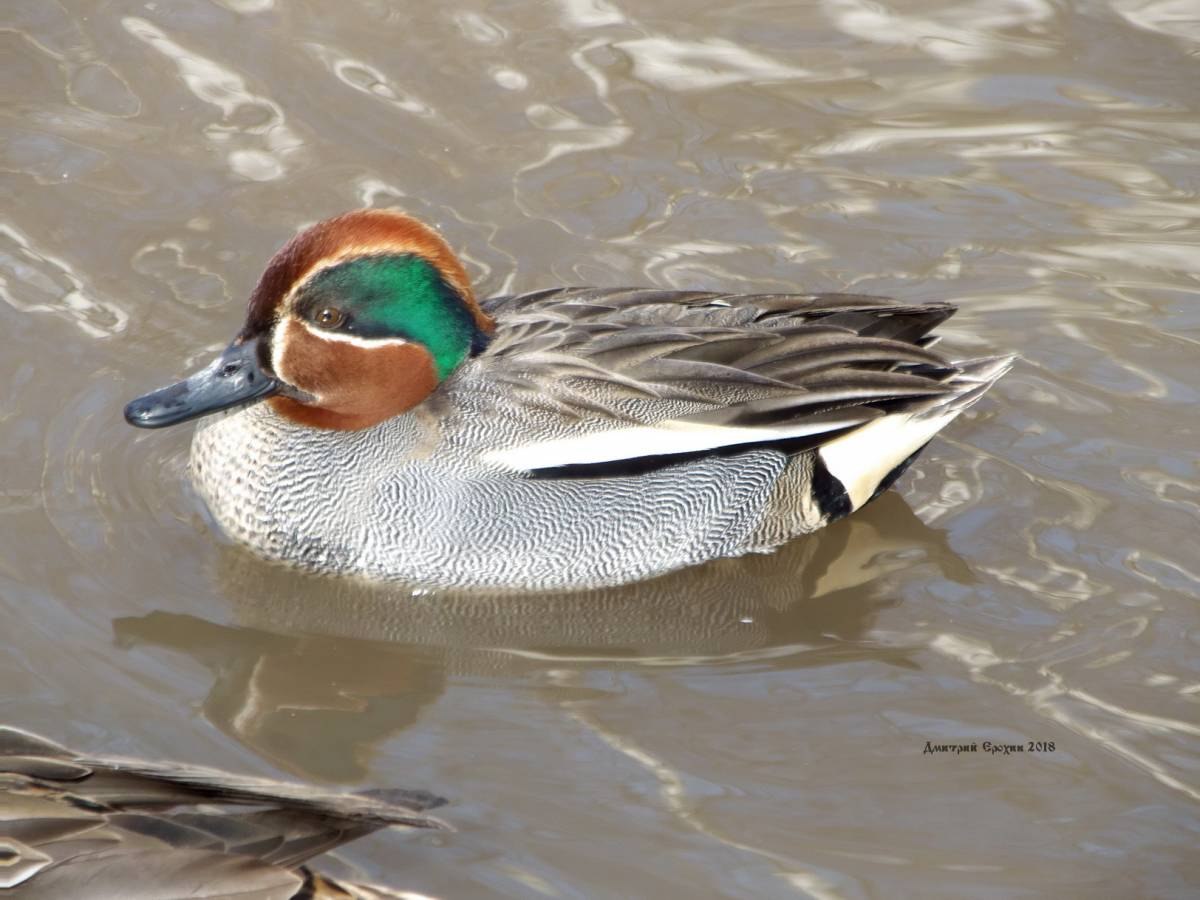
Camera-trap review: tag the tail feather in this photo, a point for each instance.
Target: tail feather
(971, 382)
(864, 458)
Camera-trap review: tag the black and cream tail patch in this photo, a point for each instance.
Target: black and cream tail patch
(867, 457)
(828, 492)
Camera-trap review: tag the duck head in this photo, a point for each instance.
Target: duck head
(357, 319)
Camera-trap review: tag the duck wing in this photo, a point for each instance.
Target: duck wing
(78, 826)
(646, 377)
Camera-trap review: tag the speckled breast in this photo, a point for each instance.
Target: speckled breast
(412, 502)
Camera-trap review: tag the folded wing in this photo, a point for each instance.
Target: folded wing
(648, 377)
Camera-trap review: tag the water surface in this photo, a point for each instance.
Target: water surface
(752, 728)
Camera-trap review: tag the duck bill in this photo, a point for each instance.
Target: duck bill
(235, 378)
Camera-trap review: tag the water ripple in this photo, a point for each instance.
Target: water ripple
(264, 146)
(958, 32)
(33, 281)
(1033, 161)
(367, 79)
(677, 65)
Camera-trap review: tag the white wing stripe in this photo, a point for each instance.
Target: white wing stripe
(666, 438)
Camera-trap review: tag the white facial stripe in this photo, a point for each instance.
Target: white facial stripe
(353, 340)
(278, 340)
(345, 253)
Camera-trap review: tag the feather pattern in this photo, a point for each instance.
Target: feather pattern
(78, 826)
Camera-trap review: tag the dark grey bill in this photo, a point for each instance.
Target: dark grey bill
(234, 378)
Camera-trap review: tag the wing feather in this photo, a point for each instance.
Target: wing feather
(642, 372)
(78, 826)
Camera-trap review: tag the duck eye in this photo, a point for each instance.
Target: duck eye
(329, 317)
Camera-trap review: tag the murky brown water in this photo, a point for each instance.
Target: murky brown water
(754, 728)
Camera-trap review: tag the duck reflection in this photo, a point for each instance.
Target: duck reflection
(314, 705)
(319, 671)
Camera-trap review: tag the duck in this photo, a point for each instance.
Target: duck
(74, 825)
(373, 418)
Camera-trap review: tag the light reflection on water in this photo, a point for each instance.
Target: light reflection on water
(754, 726)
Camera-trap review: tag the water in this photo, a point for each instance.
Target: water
(753, 728)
